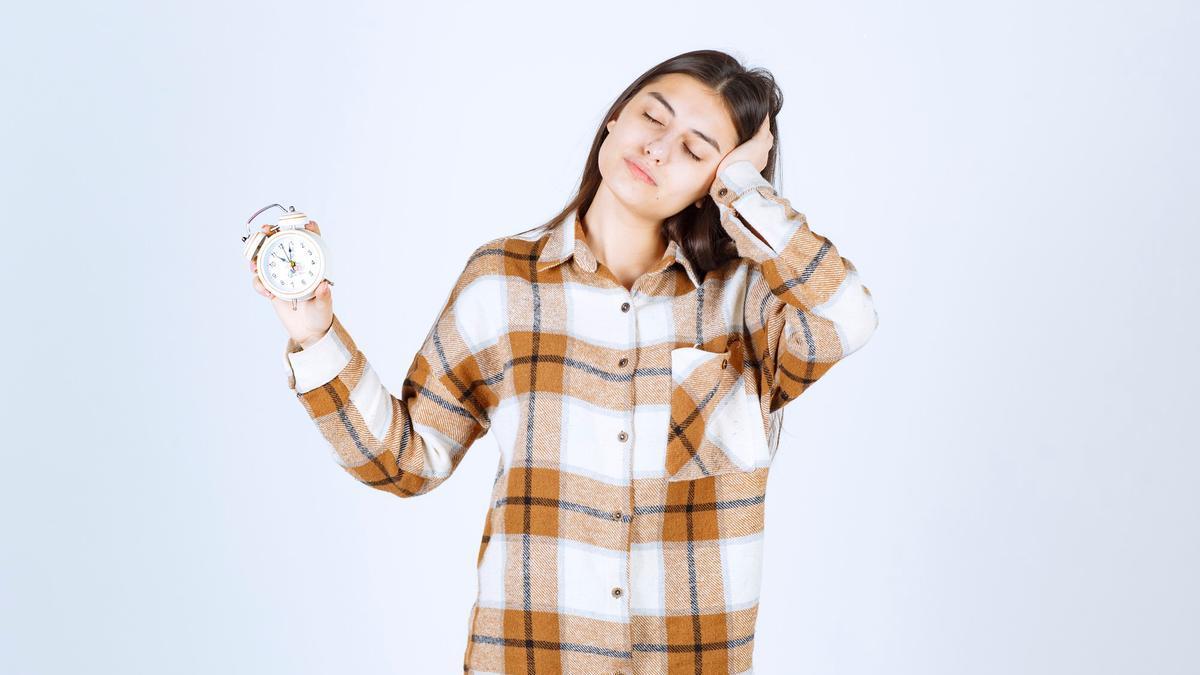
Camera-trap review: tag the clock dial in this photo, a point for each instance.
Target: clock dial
(291, 263)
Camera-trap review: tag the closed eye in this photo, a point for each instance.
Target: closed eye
(685, 147)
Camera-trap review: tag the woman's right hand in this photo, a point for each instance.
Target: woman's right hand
(312, 318)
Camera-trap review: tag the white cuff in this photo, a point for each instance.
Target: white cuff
(767, 217)
(741, 176)
(764, 215)
(320, 362)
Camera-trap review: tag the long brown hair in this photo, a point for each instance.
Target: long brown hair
(749, 94)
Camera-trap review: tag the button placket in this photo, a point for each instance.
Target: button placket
(624, 361)
(618, 515)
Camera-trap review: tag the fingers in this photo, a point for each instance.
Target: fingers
(260, 289)
(310, 226)
(257, 283)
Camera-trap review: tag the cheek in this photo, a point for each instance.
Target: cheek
(696, 178)
(620, 142)
(609, 153)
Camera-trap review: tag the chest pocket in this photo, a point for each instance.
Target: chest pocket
(715, 424)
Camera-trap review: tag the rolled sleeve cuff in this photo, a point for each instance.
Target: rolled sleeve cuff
(735, 180)
(312, 367)
(739, 187)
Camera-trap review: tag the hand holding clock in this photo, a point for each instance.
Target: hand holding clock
(311, 318)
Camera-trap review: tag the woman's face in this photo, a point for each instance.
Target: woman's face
(678, 130)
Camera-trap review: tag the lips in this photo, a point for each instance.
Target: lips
(639, 172)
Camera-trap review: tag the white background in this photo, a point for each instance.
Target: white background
(1002, 481)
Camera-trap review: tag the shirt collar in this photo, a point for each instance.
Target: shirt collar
(566, 239)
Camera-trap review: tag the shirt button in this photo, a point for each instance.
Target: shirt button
(724, 362)
(616, 592)
(784, 395)
(622, 436)
(616, 515)
(622, 362)
(624, 306)
(721, 192)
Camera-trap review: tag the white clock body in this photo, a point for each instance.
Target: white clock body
(292, 261)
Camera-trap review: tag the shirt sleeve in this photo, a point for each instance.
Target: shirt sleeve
(408, 444)
(817, 311)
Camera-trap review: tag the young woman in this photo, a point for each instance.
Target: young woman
(631, 357)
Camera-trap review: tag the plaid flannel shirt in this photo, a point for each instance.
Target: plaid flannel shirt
(625, 528)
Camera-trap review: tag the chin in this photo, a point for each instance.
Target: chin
(634, 195)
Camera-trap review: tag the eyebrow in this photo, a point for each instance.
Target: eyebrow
(699, 133)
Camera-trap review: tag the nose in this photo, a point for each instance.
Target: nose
(654, 149)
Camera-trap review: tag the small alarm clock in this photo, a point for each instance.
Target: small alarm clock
(292, 261)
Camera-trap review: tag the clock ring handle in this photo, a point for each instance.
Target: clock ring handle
(290, 209)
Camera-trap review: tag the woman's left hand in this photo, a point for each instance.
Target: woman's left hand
(755, 149)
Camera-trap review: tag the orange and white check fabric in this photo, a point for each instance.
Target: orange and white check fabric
(624, 533)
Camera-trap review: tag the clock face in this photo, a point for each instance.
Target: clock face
(291, 263)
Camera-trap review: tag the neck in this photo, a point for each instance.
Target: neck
(625, 242)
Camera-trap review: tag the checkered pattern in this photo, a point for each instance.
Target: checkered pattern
(625, 528)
